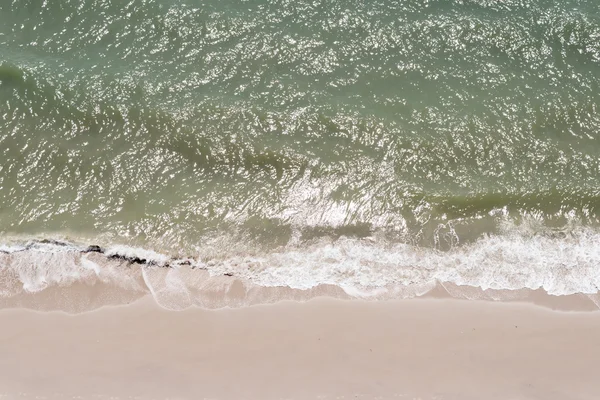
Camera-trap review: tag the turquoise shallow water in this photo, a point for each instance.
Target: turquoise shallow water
(168, 124)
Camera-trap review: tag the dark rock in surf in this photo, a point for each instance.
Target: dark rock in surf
(137, 260)
(131, 260)
(94, 249)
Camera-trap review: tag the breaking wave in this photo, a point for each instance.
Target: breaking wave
(559, 262)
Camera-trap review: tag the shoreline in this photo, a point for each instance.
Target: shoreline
(431, 348)
(224, 292)
(347, 267)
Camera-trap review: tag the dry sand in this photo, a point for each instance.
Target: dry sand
(320, 349)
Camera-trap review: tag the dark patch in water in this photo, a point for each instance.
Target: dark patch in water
(10, 75)
(361, 230)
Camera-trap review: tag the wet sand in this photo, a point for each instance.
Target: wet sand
(320, 349)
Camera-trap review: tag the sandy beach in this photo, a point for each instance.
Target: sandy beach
(321, 349)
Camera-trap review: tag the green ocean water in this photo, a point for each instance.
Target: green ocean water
(170, 123)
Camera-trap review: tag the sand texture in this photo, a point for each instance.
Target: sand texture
(320, 349)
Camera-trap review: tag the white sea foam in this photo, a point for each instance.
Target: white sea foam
(6, 248)
(561, 264)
